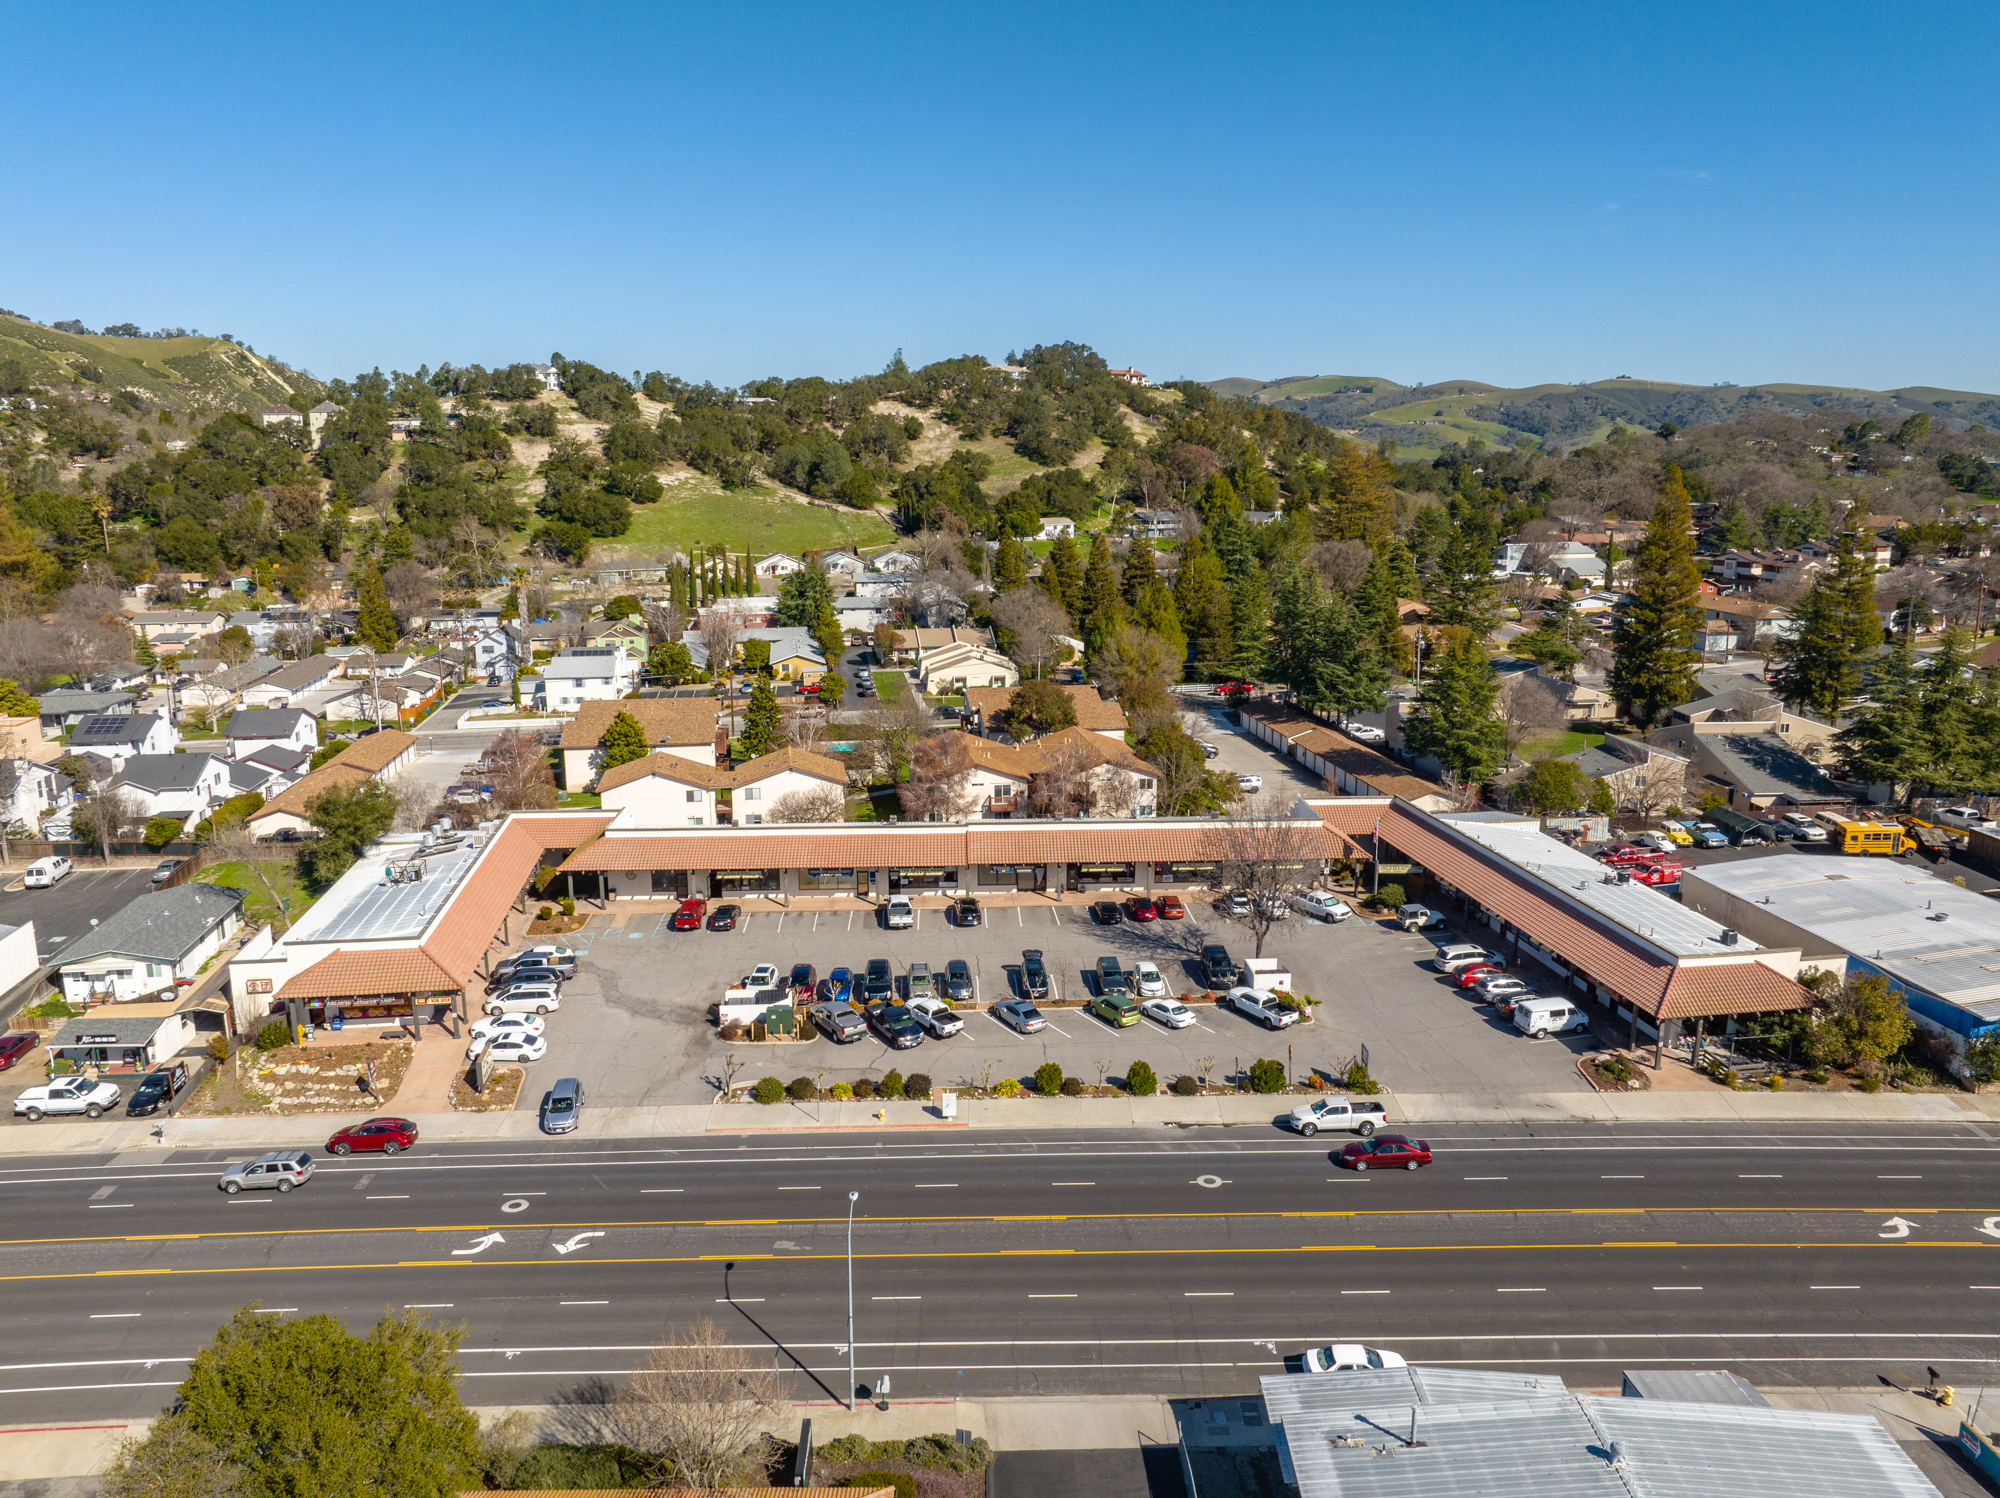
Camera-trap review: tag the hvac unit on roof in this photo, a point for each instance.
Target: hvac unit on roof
(1728, 938)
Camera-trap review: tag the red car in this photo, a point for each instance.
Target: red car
(1141, 908)
(15, 1045)
(1468, 976)
(1234, 689)
(690, 916)
(1386, 1152)
(1658, 873)
(1623, 855)
(387, 1135)
(1169, 907)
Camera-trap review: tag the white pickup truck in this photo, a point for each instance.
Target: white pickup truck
(67, 1095)
(1323, 903)
(1267, 973)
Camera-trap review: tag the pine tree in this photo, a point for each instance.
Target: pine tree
(1010, 565)
(624, 741)
(1375, 603)
(1403, 579)
(1363, 497)
(1461, 587)
(1553, 642)
(1854, 586)
(1156, 611)
(1203, 603)
(1655, 658)
(1139, 571)
(1103, 610)
(376, 627)
(1049, 577)
(1069, 567)
(1818, 671)
(1219, 499)
(1732, 526)
(762, 723)
(1879, 746)
(1250, 626)
(1453, 721)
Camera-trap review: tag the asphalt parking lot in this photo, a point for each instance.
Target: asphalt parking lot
(634, 1023)
(68, 909)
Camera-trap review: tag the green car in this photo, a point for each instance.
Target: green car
(1116, 1008)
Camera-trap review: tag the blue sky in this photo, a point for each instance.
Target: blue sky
(1514, 193)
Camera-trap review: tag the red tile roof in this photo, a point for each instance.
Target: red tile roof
(464, 928)
(345, 973)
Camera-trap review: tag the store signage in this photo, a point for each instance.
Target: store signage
(96, 1040)
(1105, 868)
(257, 985)
(919, 873)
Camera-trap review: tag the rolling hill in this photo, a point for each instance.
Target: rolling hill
(191, 374)
(1424, 417)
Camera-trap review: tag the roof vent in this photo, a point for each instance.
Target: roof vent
(1728, 938)
(1942, 915)
(1615, 1454)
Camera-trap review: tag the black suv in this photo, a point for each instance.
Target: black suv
(967, 912)
(158, 1089)
(1218, 968)
(1034, 977)
(878, 984)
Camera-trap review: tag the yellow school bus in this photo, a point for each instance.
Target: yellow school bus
(1868, 837)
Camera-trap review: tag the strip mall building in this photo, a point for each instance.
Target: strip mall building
(405, 932)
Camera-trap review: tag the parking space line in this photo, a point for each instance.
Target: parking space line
(1055, 915)
(1063, 1033)
(781, 921)
(1019, 918)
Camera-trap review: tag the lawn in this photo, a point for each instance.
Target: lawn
(696, 513)
(1561, 744)
(257, 907)
(889, 683)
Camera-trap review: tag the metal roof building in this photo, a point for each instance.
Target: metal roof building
(1937, 944)
(1335, 1442)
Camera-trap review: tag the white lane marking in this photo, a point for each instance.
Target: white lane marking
(1834, 1287)
(479, 1245)
(1760, 1178)
(1485, 1178)
(103, 1191)
(110, 1206)
(524, 1193)
(1899, 1178)
(798, 1188)
(895, 1297)
(583, 1302)
(1052, 1295)
(661, 1190)
(1060, 1031)
(116, 1315)
(1676, 1287)
(1521, 1290)
(1054, 915)
(427, 1305)
(365, 1178)
(781, 920)
(1621, 1178)
(274, 1310)
(937, 1185)
(1983, 1287)
(1019, 919)
(815, 920)
(249, 1201)
(574, 1243)
(1072, 1183)
(739, 1300)
(1207, 1294)
(387, 1198)
(1366, 1292)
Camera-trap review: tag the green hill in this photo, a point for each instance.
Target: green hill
(1426, 417)
(184, 374)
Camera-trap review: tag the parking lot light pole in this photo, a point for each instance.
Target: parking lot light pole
(852, 1198)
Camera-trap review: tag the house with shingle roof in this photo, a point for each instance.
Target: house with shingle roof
(117, 736)
(1095, 712)
(682, 726)
(664, 790)
(160, 936)
(375, 756)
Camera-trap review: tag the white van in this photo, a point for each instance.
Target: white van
(45, 871)
(525, 998)
(1540, 1017)
(1322, 903)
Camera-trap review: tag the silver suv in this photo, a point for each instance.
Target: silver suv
(280, 1170)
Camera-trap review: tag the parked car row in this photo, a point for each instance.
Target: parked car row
(1484, 974)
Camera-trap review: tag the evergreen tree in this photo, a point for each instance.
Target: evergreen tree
(1954, 715)
(1203, 604)
(1854, 586)
(1218, 500)
(1049, 578)
(1555, 641)
(1732, 526)
(1010, 564)
(1103, 610)
(1461, 587)
(624, 741)
(1453, 720)
(1375, 603)
(1157, 612)
(376, 627)
(1234, 546)
(803, 596)
(1069, 567)
(1653, 636)
(1818, 671)
(1250, 626)
(1321, 649)
(762, 724)
(1363, 496)
(1139, 572)
(1403, 576)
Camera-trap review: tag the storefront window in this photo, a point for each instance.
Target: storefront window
(826, 879)
(901, 879)
(744, 881)
(670, 882)
(1010, 876)
(1183, 873)
(1095, 875)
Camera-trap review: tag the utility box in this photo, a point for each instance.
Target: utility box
(948, 1105)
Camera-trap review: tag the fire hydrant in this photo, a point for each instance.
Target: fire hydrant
(1943, 1395)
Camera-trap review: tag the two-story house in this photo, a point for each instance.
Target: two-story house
(680, 726)
(255, 728)
(665, 790)
(118, 737)
(175, 785)
(588, 674)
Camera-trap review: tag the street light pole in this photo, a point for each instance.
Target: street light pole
(852, 1198)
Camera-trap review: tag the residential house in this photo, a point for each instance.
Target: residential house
(1727, 701)
(402, 697)
(1744, 624)
(269, 771)
(285, 686)
(1155, 525)
(260, 626)
(156, 626)
(256, 728)
(127, 676)
(30, 791)
(839, 563)
(910, 643)
(577, 676)
(894, 561)
(549, 375)
(188, 786)
(631, 633)
(382, 755)
(1751, 565)
(62, 711)
(156, 939)
(279, 416)
(551, 635)
(1561, 559)
(1095, 713)
(951, 669)
(1755, 770)
(859, 613)
(680, 726)
(318, 417)
(493, 649)
(1055, 527)
(1104, 778)
(778, 565)
(795, 654)
(755, 611)
(1642, 777)
(665, 790)
(1129, 376)
(117, 738)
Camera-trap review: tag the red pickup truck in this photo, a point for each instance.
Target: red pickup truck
(1657, 873)
(1625, 855)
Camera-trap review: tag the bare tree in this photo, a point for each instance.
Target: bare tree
(719, 632)
(805, 727)
(410, 591)
(935, 597)
(520, 774)
(1032, 621)
(1341, 564)
(899, 723)
(81, 640)
(418, 807)
(234, 843)
(698, 1404)
(824, 804)
(1267, 858)
(1532, 708)
(1064, 786)
(107, 815)
(940, 774)
(664, 621)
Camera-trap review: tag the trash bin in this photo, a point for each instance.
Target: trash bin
(335, 1021)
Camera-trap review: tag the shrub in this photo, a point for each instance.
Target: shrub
(1140, 1081)
(1072, 1086)
(1870, 1084)
(801, 1089)
(917, 1087)
(1359, 1081)
(274, 1035)
(1048, 1079)
(1392, 895)
(864, 1088)
(1617, 1067)
(1817, 1075)
(546, 913)
(1008, 1087)
(768, 1091)
(162, 830)
(218, 1047)
(1267, 1076)
(1775, 1082)
(1186, 1086)
(568, 905)
(842, 1092)
(904, 1484)
(891, 1084)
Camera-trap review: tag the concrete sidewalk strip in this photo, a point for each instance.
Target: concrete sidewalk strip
(1238, 1110)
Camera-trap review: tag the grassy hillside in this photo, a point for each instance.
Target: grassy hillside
(1423, 418)
(191, 374)
(697, 513)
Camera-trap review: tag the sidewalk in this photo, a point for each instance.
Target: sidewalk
(1238, 1110)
